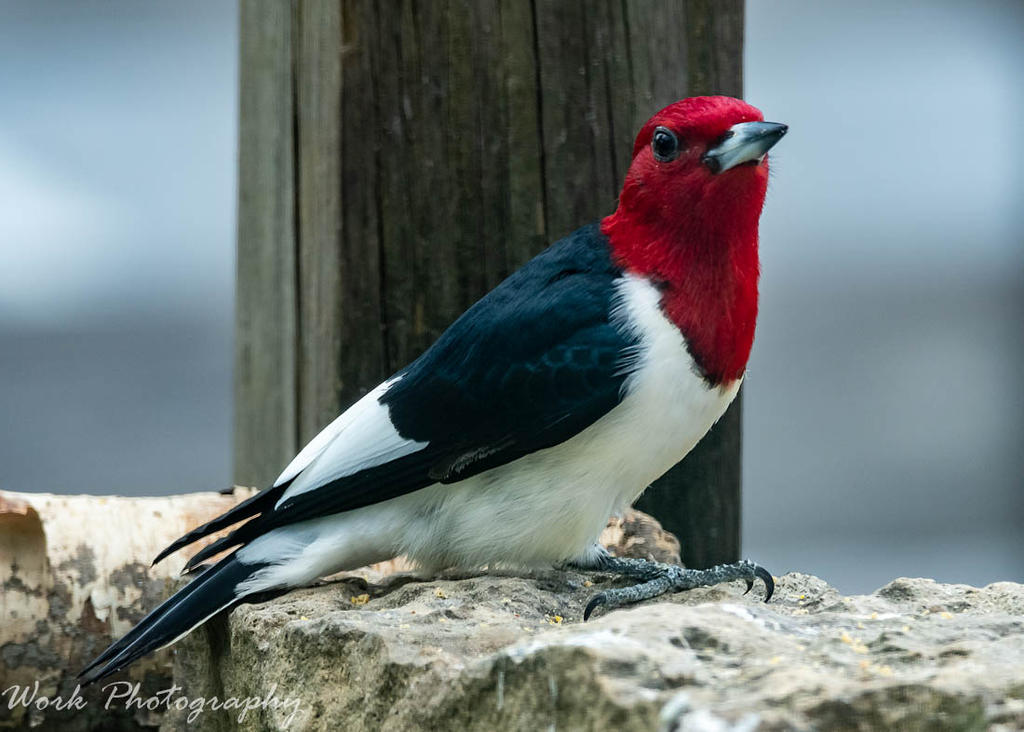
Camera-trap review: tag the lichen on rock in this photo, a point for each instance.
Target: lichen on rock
(510, 652)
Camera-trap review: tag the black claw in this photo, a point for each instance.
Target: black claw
(593, 604)
(750, 586)
(769, 584)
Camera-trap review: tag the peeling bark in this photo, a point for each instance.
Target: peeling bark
(75, 575)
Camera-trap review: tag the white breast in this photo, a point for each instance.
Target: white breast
(551, 505)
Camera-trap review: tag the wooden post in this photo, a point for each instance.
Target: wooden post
(399, 159)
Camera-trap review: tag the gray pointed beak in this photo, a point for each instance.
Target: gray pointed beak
(743, 143)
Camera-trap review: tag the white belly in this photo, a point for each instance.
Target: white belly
(549, 506)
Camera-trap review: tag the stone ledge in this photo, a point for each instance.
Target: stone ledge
(508, 652)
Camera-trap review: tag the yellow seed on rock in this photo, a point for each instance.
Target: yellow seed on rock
(440, 593)
(854, 644)
(359, 599)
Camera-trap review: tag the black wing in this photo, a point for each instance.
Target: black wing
(527, 367)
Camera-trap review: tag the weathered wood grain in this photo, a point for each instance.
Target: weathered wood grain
(410, 155)
(266, 336)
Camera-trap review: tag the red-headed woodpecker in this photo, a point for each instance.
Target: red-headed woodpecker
(544, 409)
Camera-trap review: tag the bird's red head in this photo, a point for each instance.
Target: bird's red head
(687, 219)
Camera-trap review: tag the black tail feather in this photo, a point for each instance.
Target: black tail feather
(262, 501)
(244, 533)
(192, 605)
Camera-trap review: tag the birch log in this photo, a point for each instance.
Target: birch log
(75, 574)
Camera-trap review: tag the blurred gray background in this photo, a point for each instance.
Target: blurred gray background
(884, 413)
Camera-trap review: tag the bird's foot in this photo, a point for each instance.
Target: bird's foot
(657, 578)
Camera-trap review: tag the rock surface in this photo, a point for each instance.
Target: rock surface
(510, 653)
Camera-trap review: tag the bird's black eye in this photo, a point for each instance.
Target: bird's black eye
(665, 145)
